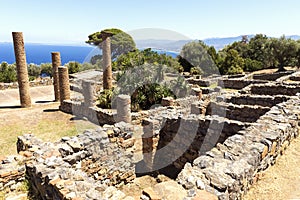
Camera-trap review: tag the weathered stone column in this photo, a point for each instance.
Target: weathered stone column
(148, 142)
(123, 108)
(22, 72)
(88, 92)
(64, 85)
(197, 92)
(56, 62)
(167, 101)
(106, 53)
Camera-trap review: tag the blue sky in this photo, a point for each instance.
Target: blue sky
(71, 21)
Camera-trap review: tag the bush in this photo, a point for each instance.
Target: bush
(34, 71)
(195, 71)
(142, 98)
(8, 73)
(137, 58)
(46, 69)
(252, 65)
(104, 99)
(148, 95)
(73, 67)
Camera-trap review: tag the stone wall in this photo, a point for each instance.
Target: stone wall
(237, 83)
(273, 89)
(88, 166)
(229, 169)
(180, 139)
(94, 114)
(261, 100)
(201, 82)
(42, 82)
(271, 77)
(243, 113)
(12, 172)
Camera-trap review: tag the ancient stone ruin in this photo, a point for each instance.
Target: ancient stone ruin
(213, 144)
(23, 80)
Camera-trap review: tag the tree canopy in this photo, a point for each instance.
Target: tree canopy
(197, 55)
(121, 42)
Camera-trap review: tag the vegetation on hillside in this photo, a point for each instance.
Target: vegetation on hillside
(261, 52)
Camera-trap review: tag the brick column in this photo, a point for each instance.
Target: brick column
(56, 62)
(22, 71)
(106, 53)
(123, 108)
(64, 85)
(197, 92)
(88, 92)
(148, 142)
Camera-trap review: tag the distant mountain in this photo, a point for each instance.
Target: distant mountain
(220, 43)
(294, 37)
(166, 45)
(170, 45)
(41, 53)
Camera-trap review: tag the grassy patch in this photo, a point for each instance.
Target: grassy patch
(45, 129)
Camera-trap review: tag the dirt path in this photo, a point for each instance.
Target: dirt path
(10, 97)
(281, 181)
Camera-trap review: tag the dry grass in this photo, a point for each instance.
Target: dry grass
(44, 121)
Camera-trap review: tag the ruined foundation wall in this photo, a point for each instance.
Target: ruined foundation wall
(238, 83)
(271, 77)
(87, 166)
(229, 169)
(275, 89)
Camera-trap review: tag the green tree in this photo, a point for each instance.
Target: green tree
(241, 47)
(298, 53)
(121, 42)
(34, 71)
(233, 63)
(73, 67)
(252, 65)
(195, 54)
(96, 59)
(137, 58)
(258, 50)
(46, 68)
(8, 73)
(284, 51)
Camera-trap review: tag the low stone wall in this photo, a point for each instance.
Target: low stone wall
(94, 114)
(274, 89)
(261, 100)
(201, 82)
(271, 77)
(87, 166)
(12, 172)
(180, 139)
(243, 113)
(43, 82)
(237, 83)
(295, 78)
(229, 169)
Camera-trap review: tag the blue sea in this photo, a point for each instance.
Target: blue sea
(41, 53)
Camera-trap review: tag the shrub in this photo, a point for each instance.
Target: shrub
(105, 98)
(252, 65)
(8, 73)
